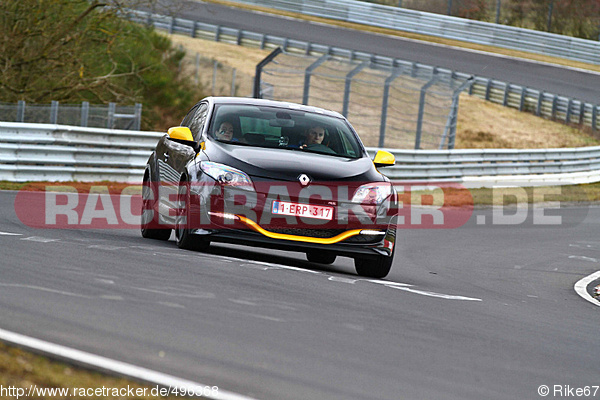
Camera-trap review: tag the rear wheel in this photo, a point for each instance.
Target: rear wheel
(377, 268)
(185, 239)
(149, 219)
(321, 257)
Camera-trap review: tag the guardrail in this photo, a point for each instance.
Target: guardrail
(448, 27)
(43, 152)
(46, 152)
(484, 167)
(541, 103)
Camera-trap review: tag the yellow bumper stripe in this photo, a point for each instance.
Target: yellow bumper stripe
(285, 236)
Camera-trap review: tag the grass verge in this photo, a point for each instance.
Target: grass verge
(22, 371)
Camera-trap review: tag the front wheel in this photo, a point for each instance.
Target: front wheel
(185, 239)
(377, 268)
(149, 225)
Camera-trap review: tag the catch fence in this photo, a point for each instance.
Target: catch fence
(405, 106)
(111, 116)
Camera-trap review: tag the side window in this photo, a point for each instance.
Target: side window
(188, 117)
(198, 121)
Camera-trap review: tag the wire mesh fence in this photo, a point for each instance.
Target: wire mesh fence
(405, 106)
(111, 116)
(216, 78)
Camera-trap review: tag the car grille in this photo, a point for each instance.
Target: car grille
(316, 233)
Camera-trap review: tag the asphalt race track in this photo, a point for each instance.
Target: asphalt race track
(578, 84)
(485, 311)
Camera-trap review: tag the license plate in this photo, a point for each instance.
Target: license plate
(302, 210)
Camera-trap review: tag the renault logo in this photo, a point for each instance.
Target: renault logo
(304, 180)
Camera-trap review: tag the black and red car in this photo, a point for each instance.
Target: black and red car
(244, 171)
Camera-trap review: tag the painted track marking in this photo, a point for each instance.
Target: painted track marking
(581, 288)
(121, 368)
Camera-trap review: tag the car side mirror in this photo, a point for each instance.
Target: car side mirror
(183, 135)
(384, 159)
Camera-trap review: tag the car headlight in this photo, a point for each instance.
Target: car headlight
(372, 193)
(227, 175)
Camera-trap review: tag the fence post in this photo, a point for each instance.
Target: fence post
(233, 74)
(197, 74)
(581, 112)
(110, 121)
(348, 83)
(259, 67)
(384, 105)
(218, 33)
(569, 106)
(214, 77)
(85, 113)
(54, 112)
(21, 111)
(594, 117)
(452, 118)
(422, 109)
(307, 74)
(137, 122)
(238, 39)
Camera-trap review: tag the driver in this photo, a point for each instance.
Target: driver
(313, 135)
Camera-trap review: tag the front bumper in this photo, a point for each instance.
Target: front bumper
(363, 243)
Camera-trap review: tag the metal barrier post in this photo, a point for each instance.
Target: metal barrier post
(522, 102)
(506, 93)
(538, 110)
(54, 112)
(594, 117)
(110, 121)
(21, 111)
(259, 67)
(384, 106)
(307, 75)
(214, 77)
(422, 109)
(85, 113)
(137, 123)
(348, 83)
(450, 129)
(233, 74)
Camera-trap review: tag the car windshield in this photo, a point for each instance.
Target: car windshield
(284, 128)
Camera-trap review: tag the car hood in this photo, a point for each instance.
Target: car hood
(287, 165)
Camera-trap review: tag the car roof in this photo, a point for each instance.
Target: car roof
(272, 103)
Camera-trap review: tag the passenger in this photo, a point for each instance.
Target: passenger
(225, 131)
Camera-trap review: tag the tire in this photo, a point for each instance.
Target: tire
(150, 229)
(321, 257)
(185, 239)
(374, 268)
